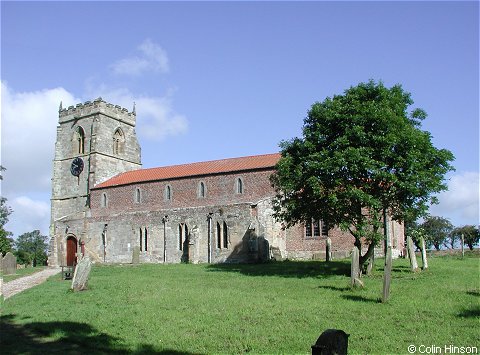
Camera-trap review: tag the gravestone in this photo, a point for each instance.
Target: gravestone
(81, 274)
(330, 342)
(276, 254)
(355, 269)
(9, 264)
(424, 254)
(371, 263)
(328, 250)
(411, 254)
(136, 255)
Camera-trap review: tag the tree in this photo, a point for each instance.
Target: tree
(32, 247)
(471, 235)
(361, 153)
(6, 242)
(436, 229)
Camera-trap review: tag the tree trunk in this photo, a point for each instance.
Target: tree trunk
(363, 259)
(387, 275)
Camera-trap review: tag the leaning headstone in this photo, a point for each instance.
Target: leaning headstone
(331, 341)
(424, 254)
(411, 254)
(136, 255)
(276, 254)
(9, 264)
(81, 274)
(328, 250)
(355, 269)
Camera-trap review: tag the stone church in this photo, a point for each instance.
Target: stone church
(106, 206)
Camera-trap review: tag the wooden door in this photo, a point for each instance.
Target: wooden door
(71, 251)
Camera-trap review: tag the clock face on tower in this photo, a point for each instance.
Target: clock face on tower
(77, 166)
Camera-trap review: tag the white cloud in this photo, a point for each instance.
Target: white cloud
(156, 117)
(28, 215)
(29, 121)
(460, 204)
(152, 58)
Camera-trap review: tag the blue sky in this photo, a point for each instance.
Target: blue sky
(224, 79)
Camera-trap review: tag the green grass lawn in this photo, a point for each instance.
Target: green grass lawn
(275, 308)
(23, 272)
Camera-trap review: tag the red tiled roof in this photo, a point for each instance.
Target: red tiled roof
(193, 169)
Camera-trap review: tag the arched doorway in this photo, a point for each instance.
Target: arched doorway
(72, 246)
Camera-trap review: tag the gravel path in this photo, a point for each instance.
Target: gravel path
(18, 285)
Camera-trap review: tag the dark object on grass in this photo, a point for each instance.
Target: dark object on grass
(331, 342)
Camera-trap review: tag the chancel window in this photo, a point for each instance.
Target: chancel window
(104, 200)
(168, 193)
(138, 195)
(202, 190)
(316, 228)
(239, 186)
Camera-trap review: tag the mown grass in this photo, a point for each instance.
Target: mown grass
(23, 272)
(275, 308)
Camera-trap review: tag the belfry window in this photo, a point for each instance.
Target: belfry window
(118, 142)
(79, 141)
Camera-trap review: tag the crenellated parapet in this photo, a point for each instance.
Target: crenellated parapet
(98, 106)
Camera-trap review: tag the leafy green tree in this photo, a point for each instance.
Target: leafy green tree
(416, 232)
(6, 242)
(361, 153)
(437, 229)
(32, 246)
(471, 235)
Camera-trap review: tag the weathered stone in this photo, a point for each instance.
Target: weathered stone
(81, 274)
(355, 269)
(411, 254)
(328, 248)
(136, 255)
(276, 254)
(424, 254)
(331, 341)
(9, 264)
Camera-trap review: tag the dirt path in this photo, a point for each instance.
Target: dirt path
(11, 288)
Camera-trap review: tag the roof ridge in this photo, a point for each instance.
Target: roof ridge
(191, 169)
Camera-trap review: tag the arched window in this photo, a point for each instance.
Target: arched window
(182, 235)
(219, 236)
(239, 186)
(225, 235)
(146, 238)
(104, 200)
(168, 193)
(141, 237)
(118, 142)
(138, 195)
(79, 141)
(202, 191)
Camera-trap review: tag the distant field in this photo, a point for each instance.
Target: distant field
(274, 308)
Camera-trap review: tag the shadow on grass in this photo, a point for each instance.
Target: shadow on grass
(63, 338)
(473, 312)
(360, 299)
(335, 288)
(289, 269)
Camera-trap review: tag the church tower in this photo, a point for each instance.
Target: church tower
(95, 141)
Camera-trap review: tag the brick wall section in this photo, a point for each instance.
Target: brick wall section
(220, 189)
